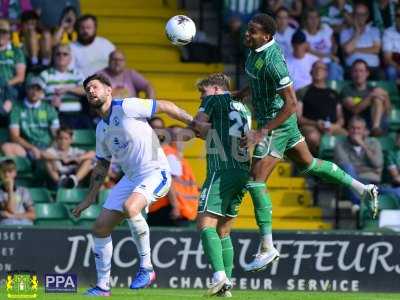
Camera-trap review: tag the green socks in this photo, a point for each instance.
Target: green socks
(329, 172)
(262, 206)
(212, 247)
(227, 255)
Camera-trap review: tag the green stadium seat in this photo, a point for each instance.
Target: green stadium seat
(327, 145)
(71, 196)
(51, 214)
(40, 195)
(84, 138)
(387, 143)
(88, 216)
(337, 85)
(103, 194)
(4, 137)
(394, 119)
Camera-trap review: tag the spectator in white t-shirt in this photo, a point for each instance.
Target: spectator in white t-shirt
(391, 49)
(322, 43)
(301, 62)
(362, 41)
(90, 52)
(284, 31)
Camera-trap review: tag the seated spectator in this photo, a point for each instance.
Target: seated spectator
(359, 98)
(383, 13)
(90, 52)
(50, 10)
(322, 43)
(362, 41)
(36, 40)
(12, 60)
(33, 123)
(284, 31)
(338, 15)
(66, 165)
(319, 108)
(300, 63)
(65, 32)
(391, 49)
(16, 207)
(125, 82)
(179, 207)
(393, 162)
(63, 89)
(12, 10)
(8, 95)
(360, 156)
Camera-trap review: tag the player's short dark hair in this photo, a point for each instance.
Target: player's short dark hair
(29, 15)
(8, 165)
(359, 61)
(65, 129)
(218, 79)
(84, 18)
(267, 23)
(100, 77)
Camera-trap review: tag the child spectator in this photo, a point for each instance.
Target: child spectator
(16, 207)
(65, 33)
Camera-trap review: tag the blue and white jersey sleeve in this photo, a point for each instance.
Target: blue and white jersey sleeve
(102, 152)
(139, 108)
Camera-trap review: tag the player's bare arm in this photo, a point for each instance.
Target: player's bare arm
(99, 173)
(173, 111)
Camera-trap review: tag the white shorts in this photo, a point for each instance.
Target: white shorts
(152, 185)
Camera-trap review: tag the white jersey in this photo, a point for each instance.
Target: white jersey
(127, 138)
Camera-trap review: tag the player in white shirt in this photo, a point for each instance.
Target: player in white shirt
(124, 135)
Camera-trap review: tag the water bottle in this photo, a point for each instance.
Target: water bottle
(327, 123)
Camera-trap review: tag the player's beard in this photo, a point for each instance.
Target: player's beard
(99, 103)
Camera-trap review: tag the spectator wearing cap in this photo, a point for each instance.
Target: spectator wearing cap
(362, 41)
(63, 88)
(125, 82)
(301, 62)
(391, 49)
(12, 60)
(284, 31)
(33, 123)
(90, 52)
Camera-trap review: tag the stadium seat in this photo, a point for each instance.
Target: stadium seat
(88, 216)
(40, 195)
(327, 145)
(84, 138)
(51, 214)
(394, 119)
(387, 143)
(71, 196)
(103, 194)
(337, 85)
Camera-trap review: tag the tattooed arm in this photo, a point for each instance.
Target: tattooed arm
(99, 173)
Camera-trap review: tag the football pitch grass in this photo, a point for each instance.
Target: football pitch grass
(181, 294)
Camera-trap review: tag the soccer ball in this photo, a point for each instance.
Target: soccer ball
(180, 30)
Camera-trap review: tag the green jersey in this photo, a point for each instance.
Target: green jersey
(230, 121)
(34, 122)
(267, 74)
(9, 59)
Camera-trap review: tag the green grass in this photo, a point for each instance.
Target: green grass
(181, 294)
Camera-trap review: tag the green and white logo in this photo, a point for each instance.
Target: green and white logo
(21, 285)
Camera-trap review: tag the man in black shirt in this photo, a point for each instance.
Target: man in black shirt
(319, 108)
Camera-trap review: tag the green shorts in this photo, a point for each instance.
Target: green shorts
(279, 140)
(223, 191)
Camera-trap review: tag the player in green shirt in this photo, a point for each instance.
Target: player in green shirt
(277, 134)
(228, 166)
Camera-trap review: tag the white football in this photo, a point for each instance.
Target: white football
(180, 30)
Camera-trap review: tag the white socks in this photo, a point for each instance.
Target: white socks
(218, 276)
(359, 187)
(266, 242)
(141, 236)
(103, 250)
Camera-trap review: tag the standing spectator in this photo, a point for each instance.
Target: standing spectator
(36, 39)
(33, 123)
(50, 10)
(16, 207)
(322, 43)
(338, 15)
(359, 98)
(319, 108)
(125, 83)
(300, 63)
(63, 88)
(90, 52)
(383, 13)
(360, 156)
(391, 49)
(66, 165)
(179, 207)
(362, 41)
(284, 31)
(12, 61)
(65, 33)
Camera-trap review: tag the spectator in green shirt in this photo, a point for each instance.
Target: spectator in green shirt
(33, 123)
(12, 60)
